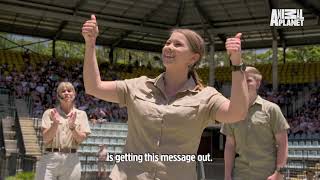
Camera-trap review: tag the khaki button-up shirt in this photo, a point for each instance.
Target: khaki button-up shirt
(255, 140)
(63, 137)
(160, 125)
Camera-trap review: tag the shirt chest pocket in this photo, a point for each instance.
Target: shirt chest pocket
(186, 110)
(260, 130)
(260, 118)
(184, 117)
(145, 105)
(261, 123)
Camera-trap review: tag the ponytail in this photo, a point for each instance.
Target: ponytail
(193, 73)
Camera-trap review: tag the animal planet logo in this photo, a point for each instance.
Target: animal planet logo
(286, 17)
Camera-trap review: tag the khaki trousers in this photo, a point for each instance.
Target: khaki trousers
(59, 166)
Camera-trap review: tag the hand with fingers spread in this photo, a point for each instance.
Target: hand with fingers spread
(90, 30)
(72, 120)
(55, 117)
(233, 46)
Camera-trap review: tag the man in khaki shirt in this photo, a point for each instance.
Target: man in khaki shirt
(256, 148)
(63, 129)
(167, 115)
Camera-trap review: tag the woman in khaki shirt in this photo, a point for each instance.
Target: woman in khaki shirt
(63, 128)
(167, 115)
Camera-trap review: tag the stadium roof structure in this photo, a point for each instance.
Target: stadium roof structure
(144, 24)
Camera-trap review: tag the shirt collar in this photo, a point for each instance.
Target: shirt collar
(62, 113)
(258, 100)
(190, 85)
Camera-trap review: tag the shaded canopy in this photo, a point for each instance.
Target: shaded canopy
(144, 24)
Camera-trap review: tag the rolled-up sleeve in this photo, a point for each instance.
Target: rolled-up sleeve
(122, 91)
(212, 104)
(226, 129)
(85, 127)
(278, 121)
(125, 89)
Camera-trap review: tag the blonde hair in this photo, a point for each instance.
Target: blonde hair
(255, 72)
(196, 45)
(64, 85)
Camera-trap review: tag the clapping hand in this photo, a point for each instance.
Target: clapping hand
(72, 120)
(55, 117)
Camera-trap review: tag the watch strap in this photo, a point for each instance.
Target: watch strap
(241, 67)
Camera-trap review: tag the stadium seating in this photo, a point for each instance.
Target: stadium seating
(112, 134)
(303, 156)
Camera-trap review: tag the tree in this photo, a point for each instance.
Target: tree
(69, 49)
(304, 54)
(293, 54)
(249, 56)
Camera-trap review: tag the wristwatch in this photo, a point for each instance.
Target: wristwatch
(241, 67)
(280, 170)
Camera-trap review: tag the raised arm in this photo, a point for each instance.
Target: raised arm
(105, 90)
(236, 109)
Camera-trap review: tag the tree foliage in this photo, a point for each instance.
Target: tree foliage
(22, 176)
(293, 54)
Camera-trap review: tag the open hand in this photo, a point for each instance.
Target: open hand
(72, 120)
(54, 116)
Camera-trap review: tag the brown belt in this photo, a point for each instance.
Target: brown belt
(62, 150)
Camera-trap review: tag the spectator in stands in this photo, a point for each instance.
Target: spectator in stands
(18, 89)
(26, 57)
(102, 161)
(167, 114)
(256, 148)
(314, 127)
(64, 128)
(295, 126)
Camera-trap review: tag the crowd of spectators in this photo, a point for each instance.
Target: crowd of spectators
(39, 81)
(304, 119)
(284, 97)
